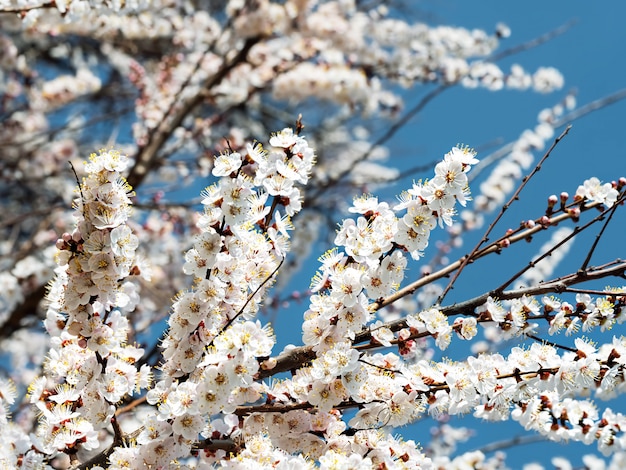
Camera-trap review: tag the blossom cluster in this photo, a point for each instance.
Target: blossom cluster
(209, 388)
(372, 265)
(533, 385)
(586, 314)
(191, 91)
(213, 344)
(91, 366)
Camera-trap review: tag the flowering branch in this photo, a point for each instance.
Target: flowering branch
(566, 239)
(295, 358)
(189, 91)
(504, 208)
(146, 155)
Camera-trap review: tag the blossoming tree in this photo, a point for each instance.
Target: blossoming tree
(157, 349)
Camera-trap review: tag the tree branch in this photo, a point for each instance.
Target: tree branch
(295, 358)
(147, 157)
(504, 208)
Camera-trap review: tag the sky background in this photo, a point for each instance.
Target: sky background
(591, 56)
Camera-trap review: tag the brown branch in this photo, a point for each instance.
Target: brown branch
(616, 268)
(504, 208)
(132, 405)
(566, 239)
(228, 445)
(101, 458)
(27, 308)
(147, 157)
(299, 356)
(23, 10)
(532, 43)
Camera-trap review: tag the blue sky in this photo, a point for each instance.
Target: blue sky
(591, 55)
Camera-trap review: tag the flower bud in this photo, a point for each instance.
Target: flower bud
(269, 364)
(552, 200)
(574, 213)
(404, 334)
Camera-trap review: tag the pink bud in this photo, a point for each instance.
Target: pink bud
(404, 334)
(574, 212)
(269, 364)
(158, 196)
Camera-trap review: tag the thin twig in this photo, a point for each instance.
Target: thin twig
(551, 343)
(513, 442)
(591, 107)
(27, 215)
(504, 208)
(532, 43)
(562, 242)
(132, 405)
(250, 297)
(592, 291)
(382, 139)
(601, 232)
